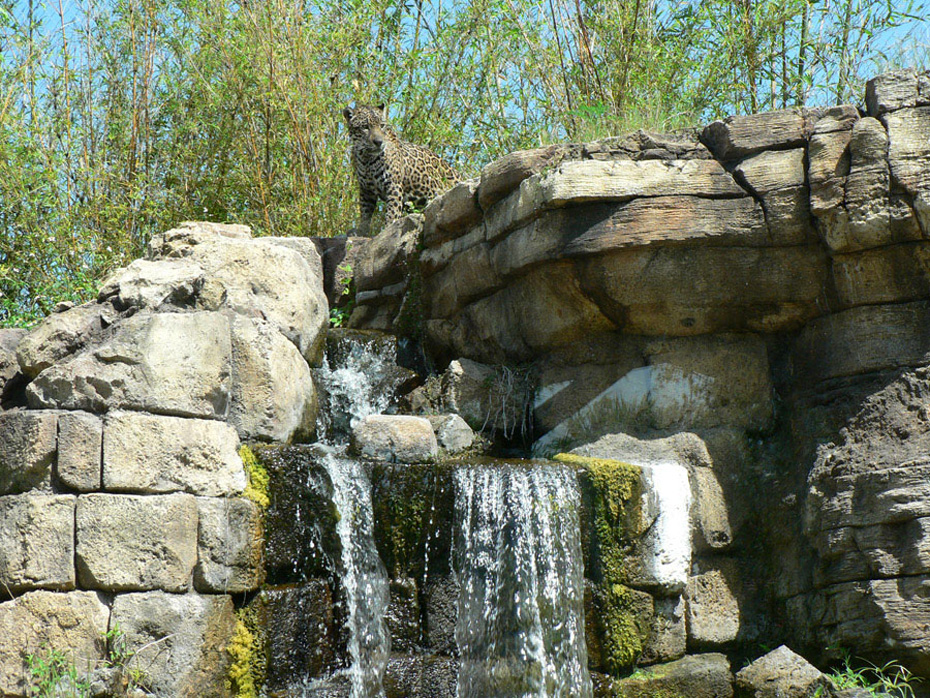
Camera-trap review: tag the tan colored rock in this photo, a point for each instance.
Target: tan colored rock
(230, 546)
(80, 445)
(580, 181)
(891, 274)
(828, 167)
(157, 454)
(861, 340)
(386, 258)
(738, 136)
(261, 278)
(502, 176)
(73, 623)
(545, 308)
(36, 542)
(119, 548)
(28, 443)
(61, 335)
(909, 148)
(782, 674)
(468, 276)
(149, 284)
(303, 246)
(179, 641)
(452, 213)
(273, 396)
(171, 363)
(396, 439)
(895, 90)
(764, 290)
(773, 170)
(661, 220)
(713, 608)
(177, 241)
(838, 118)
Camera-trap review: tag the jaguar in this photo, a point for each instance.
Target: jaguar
(391, 169)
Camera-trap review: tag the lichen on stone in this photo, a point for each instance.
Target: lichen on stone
(247, 669)
(257, 487)
(616, 490)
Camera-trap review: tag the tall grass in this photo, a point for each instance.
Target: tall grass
(119, 118)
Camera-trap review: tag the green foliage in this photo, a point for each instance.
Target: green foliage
(258, 480)
(53, 675)
(890, 679)
(120, 118)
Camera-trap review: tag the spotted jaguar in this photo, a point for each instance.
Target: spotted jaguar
(391, 169)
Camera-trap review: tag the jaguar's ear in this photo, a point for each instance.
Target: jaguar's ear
(347, 113)
(381, 108)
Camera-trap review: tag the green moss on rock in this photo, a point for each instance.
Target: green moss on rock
(248, 662)
(614, 490)
(257, 487)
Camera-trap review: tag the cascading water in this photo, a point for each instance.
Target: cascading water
(355, 384)
(520, 627)
(364, 579)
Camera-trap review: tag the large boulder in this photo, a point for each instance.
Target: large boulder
(260, 277)
(40, 621)
(169, 363)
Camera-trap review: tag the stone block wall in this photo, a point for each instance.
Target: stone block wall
(122, 491)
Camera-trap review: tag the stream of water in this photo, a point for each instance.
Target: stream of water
(520, 627)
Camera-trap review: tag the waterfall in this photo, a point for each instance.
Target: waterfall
(364, 579)
(520, 627)
(357, 379)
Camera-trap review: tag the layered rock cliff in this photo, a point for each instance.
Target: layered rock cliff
(762, 284)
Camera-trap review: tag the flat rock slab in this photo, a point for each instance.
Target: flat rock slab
(179, 641)
(695, 676)
(172, 363)
(73, 622)
(36, 542)
(120, 547)
(738, 136)
(156, 454)
(396, 439)
(781, 674)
